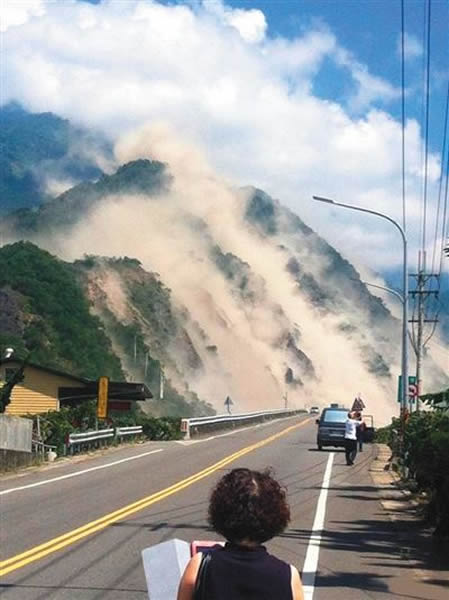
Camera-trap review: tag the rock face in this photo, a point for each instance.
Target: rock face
(226, 293)
(12, 313)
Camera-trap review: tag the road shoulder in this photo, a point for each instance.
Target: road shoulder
(427, 557)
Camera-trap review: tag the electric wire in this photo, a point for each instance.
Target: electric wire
(421, 148)
(426, 143)
(445, 226)
(404, 213)
(414, 325)
(440, 184)
(414, 336)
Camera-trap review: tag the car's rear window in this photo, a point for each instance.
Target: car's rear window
(335, 416)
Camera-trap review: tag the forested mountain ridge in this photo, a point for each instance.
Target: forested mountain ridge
(136, 177)
(44, 313)
(42, 152)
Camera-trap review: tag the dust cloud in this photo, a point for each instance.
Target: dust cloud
(173, 234)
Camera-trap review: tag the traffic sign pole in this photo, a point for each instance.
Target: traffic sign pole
(102, 401)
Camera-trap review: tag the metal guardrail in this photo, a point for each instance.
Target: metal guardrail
(123, 431)
(75, 440)
(38, 447)
(191, 426)
(87, 437)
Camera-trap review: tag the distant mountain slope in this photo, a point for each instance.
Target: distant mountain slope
(41, 152)
(137, 177)
(58, 313)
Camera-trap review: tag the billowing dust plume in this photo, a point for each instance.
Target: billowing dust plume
(173, 233)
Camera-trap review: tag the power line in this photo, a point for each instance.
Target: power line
(404, 215)
(426, 144)
(440, 186)
(445, 227)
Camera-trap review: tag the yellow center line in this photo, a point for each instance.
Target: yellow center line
(33, 554)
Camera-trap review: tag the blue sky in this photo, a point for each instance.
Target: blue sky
(298, 98)
(371, 29)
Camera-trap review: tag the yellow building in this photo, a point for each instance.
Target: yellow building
(44, 389)
(39, 391)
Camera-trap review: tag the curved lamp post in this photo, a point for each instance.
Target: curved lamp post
(404, 390)
(382, 287)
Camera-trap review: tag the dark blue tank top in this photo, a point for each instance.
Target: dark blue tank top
(236, 573)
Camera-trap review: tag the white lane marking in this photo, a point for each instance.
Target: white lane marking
(313, 549)
(116, 462)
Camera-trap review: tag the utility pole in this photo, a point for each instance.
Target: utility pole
(420, 295)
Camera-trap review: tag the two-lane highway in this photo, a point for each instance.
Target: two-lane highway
(76, 531)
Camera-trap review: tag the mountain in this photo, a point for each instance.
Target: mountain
(224, 291)
(137, 177)
(44, 312)
(40, 153)
(58, 314)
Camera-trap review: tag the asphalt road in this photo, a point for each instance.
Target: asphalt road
(76, 530)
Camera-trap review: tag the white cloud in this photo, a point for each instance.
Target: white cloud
(412, 46)
(369, 88)
(250, 24)
(18, 12)
(221, 82)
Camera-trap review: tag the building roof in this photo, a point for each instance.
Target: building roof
(14, 360)
(118, 390)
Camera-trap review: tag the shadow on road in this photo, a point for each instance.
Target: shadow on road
(404, 543)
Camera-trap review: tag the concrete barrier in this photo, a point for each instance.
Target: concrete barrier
(15, 442)
(15, 433)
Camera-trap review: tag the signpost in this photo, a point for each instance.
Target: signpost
(102, 402)
(412, 389)
(228, 403)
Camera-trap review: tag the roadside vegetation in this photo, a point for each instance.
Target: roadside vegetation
(423, 460)
(56, 426)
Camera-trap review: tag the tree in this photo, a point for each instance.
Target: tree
(6, 390)
(437, 400)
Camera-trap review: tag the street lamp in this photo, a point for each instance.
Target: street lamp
(381, 287)
(404, 390)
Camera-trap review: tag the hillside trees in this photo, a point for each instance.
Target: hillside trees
(57, 329)
(424, 457)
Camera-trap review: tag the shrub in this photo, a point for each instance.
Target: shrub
(426, 456)
(55, 426)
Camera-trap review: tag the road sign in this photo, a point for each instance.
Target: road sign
(412, 388)
(102, 402)
(228, 403)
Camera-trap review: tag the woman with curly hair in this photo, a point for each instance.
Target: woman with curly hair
(247, 508)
